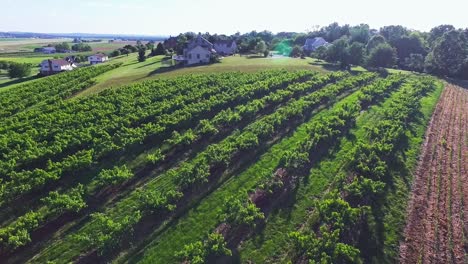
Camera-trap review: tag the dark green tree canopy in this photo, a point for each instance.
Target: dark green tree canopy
(382, 55)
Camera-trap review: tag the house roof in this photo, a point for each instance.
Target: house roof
(60, 62)
(206, 48)
(100, 55)
(200, 41)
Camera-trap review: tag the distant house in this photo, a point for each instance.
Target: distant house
(225, 47)
(97, 58)
(48, 50)
(198, 51)
(170, 43)
(312, 44)
(49, 67)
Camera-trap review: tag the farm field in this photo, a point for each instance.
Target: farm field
(26, 45)
(226, 162)
(437, 226)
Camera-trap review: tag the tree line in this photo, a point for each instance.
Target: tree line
(442, 51)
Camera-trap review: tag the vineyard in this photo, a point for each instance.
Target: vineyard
(271, 166)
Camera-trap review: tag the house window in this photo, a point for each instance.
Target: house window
(198, 56)
(190, 56)
(207, 56)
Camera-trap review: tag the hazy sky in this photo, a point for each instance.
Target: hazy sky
(221, 16)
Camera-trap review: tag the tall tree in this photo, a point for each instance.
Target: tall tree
(450, 52)
(338, 52)
(393, 33)
(382, 55)
(356, 52)
(438, 32)
(141, 54)
(360, 33)
(19, 70)
(261, 47)
(407, 45)
(374, 42)
(159, 49)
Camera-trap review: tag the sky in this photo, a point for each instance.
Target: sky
(170, 17)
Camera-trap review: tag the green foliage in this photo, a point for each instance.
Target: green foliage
(155, 156)
(141, 54)
(356, 53)
(115, 53)
(19, 70)
(159, 49)
(240, 213)
(261, 47)
(200, 251)
(415, 62)
(17, 234)
(206, 127)
(154, 201)
(114, 176)
(182, 139)
(72, 201)
(383, 55)
(64, 46)
(110, 232)
(449, 53)
(81, 47)
(374, 42)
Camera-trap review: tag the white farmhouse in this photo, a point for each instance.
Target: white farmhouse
(49, 67)
(225, 47)
(312, 44)
(97, 58)
(198, 51)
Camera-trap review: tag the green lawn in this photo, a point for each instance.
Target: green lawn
(154, 67)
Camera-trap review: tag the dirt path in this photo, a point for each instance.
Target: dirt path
(437, 222)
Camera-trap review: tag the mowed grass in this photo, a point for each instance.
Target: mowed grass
(155, 67)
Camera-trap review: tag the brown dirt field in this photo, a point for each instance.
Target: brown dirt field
(437, 223)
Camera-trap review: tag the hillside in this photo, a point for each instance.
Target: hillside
(263, 166)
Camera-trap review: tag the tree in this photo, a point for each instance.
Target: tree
(438, 32)
(382, 55)
(334, 31)
(141, 54)
(374, 42)
(415, 62)
(4, 65)
(260, 47)
(159, 49)
(19, 70)
(407, 45)
(296, 51)
(450, 52)
(338, 52)
(62, 46)
(393, 33)
(356, 52)
(115, 53)
(320, 53)
(360, 33)
(81, 47)
(130, 48)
